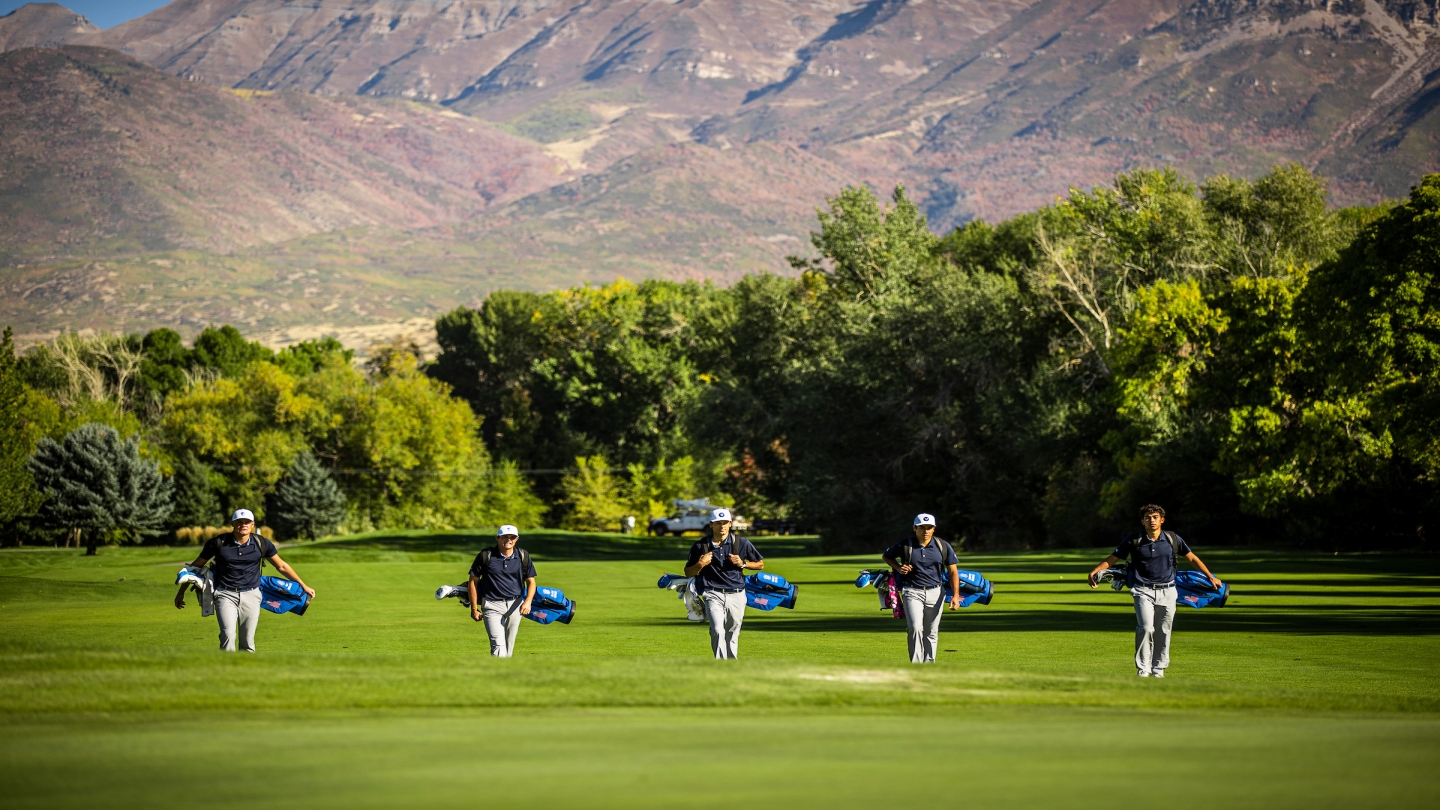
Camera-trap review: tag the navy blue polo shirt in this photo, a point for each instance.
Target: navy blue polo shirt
(505, 579)
(928, 563)
(237, 567)
(1152, 563)
(721, 574)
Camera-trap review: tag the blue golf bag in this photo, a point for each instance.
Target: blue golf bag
(1192, 587)
(279, 595)
(765, 591)
(551, 605)
(974, 587)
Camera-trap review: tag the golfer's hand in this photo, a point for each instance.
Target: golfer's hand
(905, 569)
(954, 603)
(309, 590)
(1093, 582)
(475, 614)
(1215, 582)
(525, 608)
(736, 561)
(180, 600)
(705, 559)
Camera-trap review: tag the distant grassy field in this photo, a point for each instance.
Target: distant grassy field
(1317, 686)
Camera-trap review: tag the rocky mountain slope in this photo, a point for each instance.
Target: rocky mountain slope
(990, 106)
(42, 25)
(101, 156)
(656, 137)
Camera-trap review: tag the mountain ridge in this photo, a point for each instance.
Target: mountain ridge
(646, 114)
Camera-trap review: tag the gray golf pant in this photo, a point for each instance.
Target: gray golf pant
(502, 622)
(1154, 618)
(922, 622)
(724, 612)
(238, 612)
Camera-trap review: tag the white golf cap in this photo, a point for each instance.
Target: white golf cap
(924, 519)
(720, 514)
(243, 514)
(507, 529)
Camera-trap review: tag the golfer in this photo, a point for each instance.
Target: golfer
(238, 557)
(924, 562)
(718, 563)
(502, 586)
(1152, 554)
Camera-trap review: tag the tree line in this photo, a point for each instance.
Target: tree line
(124, 438)
(1262, 364)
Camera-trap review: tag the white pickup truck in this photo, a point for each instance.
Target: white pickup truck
(690, 516)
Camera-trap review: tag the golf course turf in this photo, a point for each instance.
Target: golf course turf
(1317, 686)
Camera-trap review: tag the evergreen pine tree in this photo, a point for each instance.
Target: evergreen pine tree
(96, 483)
(18, 497)
(307, 503)
(196, 503)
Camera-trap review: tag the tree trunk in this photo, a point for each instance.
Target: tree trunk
(89, 544)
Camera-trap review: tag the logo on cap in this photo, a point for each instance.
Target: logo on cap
(923, 519)
(719, 514)
(507, 529)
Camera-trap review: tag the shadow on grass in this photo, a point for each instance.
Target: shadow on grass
(550, 544)
(1354, 622)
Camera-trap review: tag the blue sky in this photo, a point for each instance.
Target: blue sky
(104, 13)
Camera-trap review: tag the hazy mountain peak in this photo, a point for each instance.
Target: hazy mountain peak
(42, 25)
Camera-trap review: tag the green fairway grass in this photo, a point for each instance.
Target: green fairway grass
(1317, 686)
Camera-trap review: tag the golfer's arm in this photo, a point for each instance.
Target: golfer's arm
(474, 597)
(284, 568)
(892, 562)
(1195, 561)
(955, 581)
(529, 590)
(693, 570)
(753, 565)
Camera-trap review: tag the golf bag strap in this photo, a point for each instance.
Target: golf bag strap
(1167, 536)
(259, 540)
(488, 554)
(908, 550)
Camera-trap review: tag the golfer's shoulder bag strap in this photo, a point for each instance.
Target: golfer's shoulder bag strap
(907, 551)
(486, 555)
(260, 544)
(1174, 550)
(945, 551)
